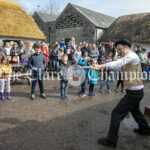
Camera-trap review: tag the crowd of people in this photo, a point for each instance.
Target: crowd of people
(58, 57)
(95, 63)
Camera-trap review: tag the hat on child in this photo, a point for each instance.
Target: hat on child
(111, 43)
(68, 43)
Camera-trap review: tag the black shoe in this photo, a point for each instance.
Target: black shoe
(105, 142)
(142, 132)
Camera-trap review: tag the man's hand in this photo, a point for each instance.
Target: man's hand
(87, 58)
(98, 67)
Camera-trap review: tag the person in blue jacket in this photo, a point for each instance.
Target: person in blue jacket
(84, 61)
(92, 78)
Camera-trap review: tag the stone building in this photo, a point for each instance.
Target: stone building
(74, 21)
(81, 23)
(16, 24)
(46, 23)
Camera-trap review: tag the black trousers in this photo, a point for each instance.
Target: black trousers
(91, 88)
(129, 103)
(120, 82)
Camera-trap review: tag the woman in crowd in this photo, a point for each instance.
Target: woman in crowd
(45, 52)
(94, 53)
(27, 51)
(14, 52)
(7, 50)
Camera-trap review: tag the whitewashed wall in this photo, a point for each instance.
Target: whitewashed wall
(147, 46)
(32, 41)
(99, 33)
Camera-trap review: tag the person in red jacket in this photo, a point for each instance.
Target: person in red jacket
(45, 52)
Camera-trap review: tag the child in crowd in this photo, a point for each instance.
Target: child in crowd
(69, 51)
(105, 77)
(84, 62)
(92, 78)
(37, 63)
(24, 60)
(63, 70)
(62, 43)
(60, 54)
(5, 74)
(102, 52)
(77, 54)
(55, 61)
(108, 59)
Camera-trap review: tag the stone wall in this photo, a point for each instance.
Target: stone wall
(73, 24)
(47, 28)
(50, 32)
(39, 22)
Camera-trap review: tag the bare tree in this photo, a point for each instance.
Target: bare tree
(52, 7)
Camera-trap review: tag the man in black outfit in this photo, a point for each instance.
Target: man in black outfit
(134, 94)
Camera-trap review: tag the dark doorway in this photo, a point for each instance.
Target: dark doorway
(67, 40)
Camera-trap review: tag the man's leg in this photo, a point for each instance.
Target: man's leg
(34, 81)
(122, 86)
(118, 83)
(83, 86)
(138, 116)
(118, 114)
(57, 68)
(108, 85)
(40, 82)
(102, 85)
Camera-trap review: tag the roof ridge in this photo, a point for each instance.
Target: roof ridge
(146, 13)
(45, 13)
(90, 10)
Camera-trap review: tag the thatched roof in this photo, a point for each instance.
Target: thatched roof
(15, 22)
(46, 17)
(135, 28)
(98, 19)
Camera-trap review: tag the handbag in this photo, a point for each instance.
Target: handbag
(14, 59)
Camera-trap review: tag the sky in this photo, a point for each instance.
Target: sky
(113, 8)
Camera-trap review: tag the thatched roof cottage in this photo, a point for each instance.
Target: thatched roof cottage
(16, 24)
(135, 27)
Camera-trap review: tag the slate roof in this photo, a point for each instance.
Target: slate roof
(47, 17)
(98, 19)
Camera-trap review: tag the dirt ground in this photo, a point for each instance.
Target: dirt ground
(53, 124)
